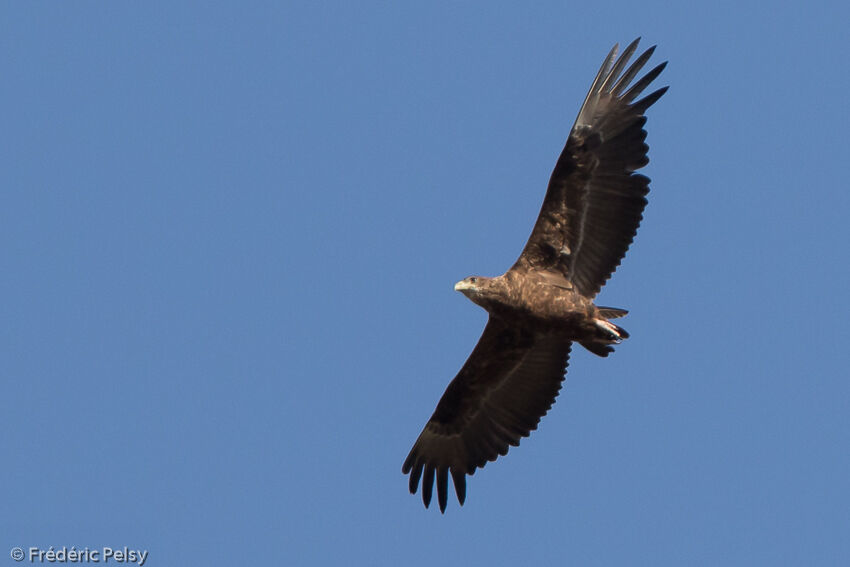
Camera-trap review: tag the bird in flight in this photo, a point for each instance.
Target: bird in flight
(544, 303)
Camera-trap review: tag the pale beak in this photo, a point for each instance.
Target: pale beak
(464, 285)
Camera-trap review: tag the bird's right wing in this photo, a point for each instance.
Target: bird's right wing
(508, 383)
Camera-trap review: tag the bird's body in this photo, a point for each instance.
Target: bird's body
(525, 295)
(544, 303)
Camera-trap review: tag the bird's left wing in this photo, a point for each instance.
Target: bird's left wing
(595, 200)
(507, 384)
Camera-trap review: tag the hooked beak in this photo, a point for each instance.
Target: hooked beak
(464, 285)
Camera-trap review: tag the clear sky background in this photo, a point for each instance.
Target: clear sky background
(230, 235)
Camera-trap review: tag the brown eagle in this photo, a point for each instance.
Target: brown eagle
(544, 303)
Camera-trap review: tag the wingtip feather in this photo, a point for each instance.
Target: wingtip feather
(428, 485)
(442, 488)
(459, 479)
(632, 71)
(617, 68)
(644, 82)
(415, 474)
(643, 104)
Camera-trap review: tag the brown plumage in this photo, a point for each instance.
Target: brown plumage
(544, 303)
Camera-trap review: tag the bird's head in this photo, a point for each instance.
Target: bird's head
(476, 288)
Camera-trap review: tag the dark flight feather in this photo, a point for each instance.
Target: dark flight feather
(508, 383)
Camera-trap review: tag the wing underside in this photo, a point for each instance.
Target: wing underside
(595, 200)
(506, 386)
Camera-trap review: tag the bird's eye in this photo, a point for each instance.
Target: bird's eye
(473, 280)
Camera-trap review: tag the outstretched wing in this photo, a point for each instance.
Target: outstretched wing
(508, 383)
(595, 201)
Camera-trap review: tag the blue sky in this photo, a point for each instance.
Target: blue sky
(229, 238)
